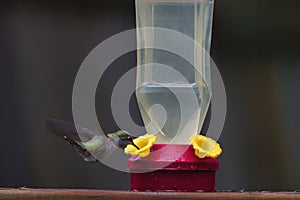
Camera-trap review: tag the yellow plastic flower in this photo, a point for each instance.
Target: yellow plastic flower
(205, 147)
(144, 143)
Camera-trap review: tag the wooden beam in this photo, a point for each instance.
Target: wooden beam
(82, 194)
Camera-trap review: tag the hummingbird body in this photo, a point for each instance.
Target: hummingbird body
(100, 145)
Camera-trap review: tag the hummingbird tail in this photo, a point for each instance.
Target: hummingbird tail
(84, 153)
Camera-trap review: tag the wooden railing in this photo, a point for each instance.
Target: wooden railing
(82, 194)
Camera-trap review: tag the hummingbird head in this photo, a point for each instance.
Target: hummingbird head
(123, 141)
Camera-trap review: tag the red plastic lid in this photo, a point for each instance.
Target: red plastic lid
(172, 157)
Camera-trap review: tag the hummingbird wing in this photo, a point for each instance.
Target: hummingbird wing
(84, 145)
(62, 128)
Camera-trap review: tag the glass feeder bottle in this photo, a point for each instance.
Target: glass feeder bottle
(185, 97)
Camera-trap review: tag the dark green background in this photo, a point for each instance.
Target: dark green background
(42, 44)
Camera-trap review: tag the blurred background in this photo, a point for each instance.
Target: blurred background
(42, 44)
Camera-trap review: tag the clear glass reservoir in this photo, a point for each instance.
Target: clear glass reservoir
(173, 94)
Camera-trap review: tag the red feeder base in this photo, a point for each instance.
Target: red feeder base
(172, 168)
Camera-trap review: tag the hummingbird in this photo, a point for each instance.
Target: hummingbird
(100, 144)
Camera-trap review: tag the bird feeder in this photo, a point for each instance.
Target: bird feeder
(173, 94)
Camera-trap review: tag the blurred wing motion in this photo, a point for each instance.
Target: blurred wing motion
(91, 142)
(88, 141)
(62, 128)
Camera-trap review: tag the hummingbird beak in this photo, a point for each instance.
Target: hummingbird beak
(135, 146)
(132, 143)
